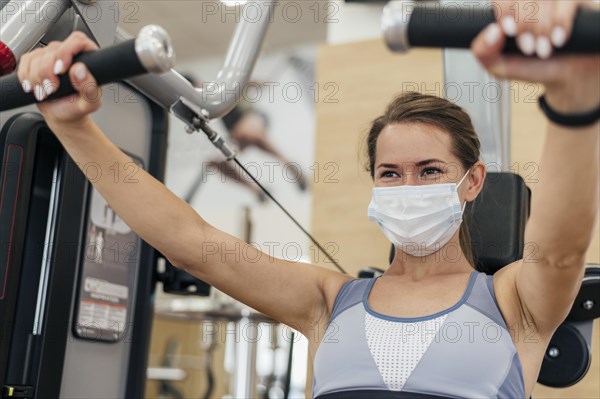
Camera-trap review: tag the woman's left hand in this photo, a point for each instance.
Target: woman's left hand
(572, 81)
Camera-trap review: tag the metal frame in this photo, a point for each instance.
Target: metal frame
(22, 32)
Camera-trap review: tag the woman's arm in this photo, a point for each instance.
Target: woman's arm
(564, 210)
(288, 292)
(144, 203)
(565, 200)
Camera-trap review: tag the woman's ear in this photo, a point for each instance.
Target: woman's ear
(475, 181)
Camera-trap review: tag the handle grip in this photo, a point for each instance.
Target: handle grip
(150, 51)
(406, 25)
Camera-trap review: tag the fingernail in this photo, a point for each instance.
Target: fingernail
(26, 86)
(492, 35)
(509, 25)
(80, 72)
(543, 47)
(58, 67)
(526, 43)
(559, 36)
(48, 87)
(38, 92)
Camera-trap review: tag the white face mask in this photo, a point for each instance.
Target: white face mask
(418, 220)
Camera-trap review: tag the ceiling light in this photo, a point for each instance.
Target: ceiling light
(233, 3)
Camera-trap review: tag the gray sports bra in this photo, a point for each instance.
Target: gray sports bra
(465, 351)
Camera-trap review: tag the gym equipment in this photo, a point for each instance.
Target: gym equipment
(486, 99)
(243, 381)
(55, 19)
(26, 24)
(166, 389)
(49, 210)
(149, 52)
(587, 303)
(408, 24)
(37, 20)
(77, 285)
(568, 357)
(194, 106)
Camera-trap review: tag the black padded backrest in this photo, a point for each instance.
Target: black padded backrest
(497, 221)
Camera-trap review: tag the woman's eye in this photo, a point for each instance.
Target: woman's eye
(389, 173)
(431, 171)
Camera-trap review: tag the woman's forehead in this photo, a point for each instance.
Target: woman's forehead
(413, 142)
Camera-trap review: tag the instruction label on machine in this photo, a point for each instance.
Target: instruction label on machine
(108, 270)
(103, 309)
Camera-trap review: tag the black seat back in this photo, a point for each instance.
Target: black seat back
(496, 221)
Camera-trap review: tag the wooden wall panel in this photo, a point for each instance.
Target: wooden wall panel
(191, 357)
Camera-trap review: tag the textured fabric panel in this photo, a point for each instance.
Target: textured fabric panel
(343, 360)
(482, 299)
(470, 355)
(468, 358)
(514, 380)
(349, 295)
(490, 286)
(398, 347)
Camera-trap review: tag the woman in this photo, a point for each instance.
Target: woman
(384, 334)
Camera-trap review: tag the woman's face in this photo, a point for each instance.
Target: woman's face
(415, 154)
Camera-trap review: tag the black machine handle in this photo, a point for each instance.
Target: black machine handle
(150, 51)
(432, 24)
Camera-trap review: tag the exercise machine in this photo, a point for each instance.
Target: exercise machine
(77, 285)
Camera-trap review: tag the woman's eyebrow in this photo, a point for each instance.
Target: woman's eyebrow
(387, 165)
(428, 161)
(418, 164)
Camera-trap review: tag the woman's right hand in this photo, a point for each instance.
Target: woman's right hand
(38, 73)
